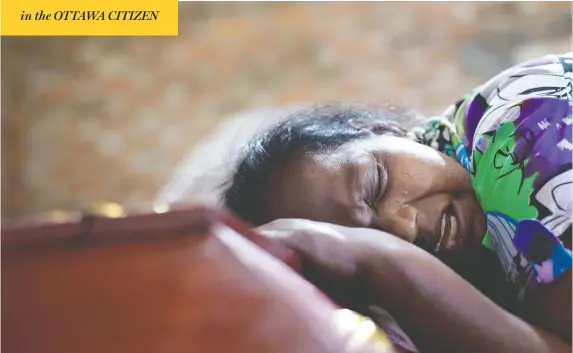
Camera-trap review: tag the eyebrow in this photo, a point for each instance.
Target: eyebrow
(378, 175)
(360, 180)
(359, 187)
(349, 202)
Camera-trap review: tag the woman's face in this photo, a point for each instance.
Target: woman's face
(389, 183)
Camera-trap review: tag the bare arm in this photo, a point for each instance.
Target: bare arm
(438, 309)
(550, 306)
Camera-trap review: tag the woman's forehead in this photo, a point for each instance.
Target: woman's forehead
(322, 187)
(348, 156)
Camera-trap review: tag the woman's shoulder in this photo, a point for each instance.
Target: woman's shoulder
(533, 93)
(499, 100)
(517, 131)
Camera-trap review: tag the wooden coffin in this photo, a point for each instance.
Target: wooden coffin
(163, 281)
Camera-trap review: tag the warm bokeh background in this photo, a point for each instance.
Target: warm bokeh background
(108, 119)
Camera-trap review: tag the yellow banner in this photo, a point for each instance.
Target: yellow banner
(89, 17)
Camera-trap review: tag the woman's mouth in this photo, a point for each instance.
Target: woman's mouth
(447, 230)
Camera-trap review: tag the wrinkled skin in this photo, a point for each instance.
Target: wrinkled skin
(387, 183)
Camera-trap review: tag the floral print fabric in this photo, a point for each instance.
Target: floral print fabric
(514, 136)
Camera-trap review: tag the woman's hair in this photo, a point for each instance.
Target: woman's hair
(318, 129)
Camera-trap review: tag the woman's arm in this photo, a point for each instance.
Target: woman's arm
(550, 306)
(438, 309)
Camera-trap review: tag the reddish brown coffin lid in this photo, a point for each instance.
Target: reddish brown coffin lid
(177, 281)
(110, 223)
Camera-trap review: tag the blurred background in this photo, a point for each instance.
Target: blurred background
(131, 120)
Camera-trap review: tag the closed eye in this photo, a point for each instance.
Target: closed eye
(378, 188)
(379, 184)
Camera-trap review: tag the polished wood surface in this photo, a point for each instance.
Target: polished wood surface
(187, 280)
